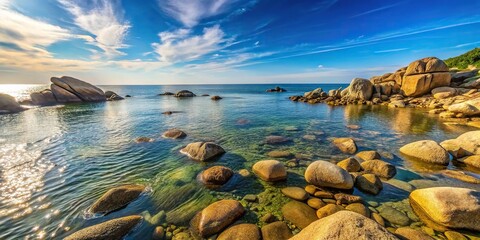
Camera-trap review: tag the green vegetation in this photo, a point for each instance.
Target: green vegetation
(471, 57)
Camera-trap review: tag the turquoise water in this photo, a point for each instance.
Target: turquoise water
(56, 161)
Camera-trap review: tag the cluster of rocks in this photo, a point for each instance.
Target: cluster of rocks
(276, 89)
(188, 94)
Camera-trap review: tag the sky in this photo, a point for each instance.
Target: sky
(117, 42)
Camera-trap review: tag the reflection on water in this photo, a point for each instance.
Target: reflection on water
(56, 161)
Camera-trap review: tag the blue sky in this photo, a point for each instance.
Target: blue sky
(227, 41)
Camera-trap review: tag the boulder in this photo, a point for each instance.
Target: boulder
(361, 89)
(295, 193)
(426, 65)
(216, 175)
(473, 161)
(112, 96)
(424, 75)
(270, 170)
(463, 75)
(83, 90)
(299, 213)
(412, 234)
(326, 174)
(202, 151)
(397, 104)
(369, 183)
(184, 93)
(64, 96)
(276, 89)
(427, 151)
(216, 217)
(346, 145)
(313, 94)
(8, 104)
(174, 133)
(43, 98)
(367, 155)
(468, 108)
(453, 147)
(473, 82)
(116, 198)
(470, 142)
(393, 216)
(245, 231)
(216, 98)
(442, 208)
(444, 92)
(379, 168)
(328, 210)
(112, 229)
(276, 231)
(350, 165)
(344, 225)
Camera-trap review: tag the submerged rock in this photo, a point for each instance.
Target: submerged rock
(245, 231)
(346, 145)
(459, 175)
(393, 216)
(369, 183)
(8, 104)
(202, 151)
(295, 193)
(367, 155)
(144, 140)
(270, 170)
(184, 93)
(344, 225)
(116, 198)
(166, 94)
(216, 217)
(299, 213)
(427, 151)
(412, 234)
(174, 133)
(326, 174)
(350, 165)
(112, 229)
(379, 168)
(280, 154)
(276, 231)
(112, 96)
(276, 139)
(216, 175)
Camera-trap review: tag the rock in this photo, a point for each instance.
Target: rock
(276, 140)
(216, 98)
(276, 231)
(467, 108)
(326, 174)
(202, 151)
(346, 145)
(444, 92)
(43, 98)
(276, 89)
(344, 225)
(350, 165)
(112, 229)
(367, 155)
(453, 147)
(452, 235)
(424, 75)
(181, 236)
(158, 233)
(328, 210)
(250, 198)
(166, 94)
(280, 154)
(83, 90)
(128, 96)
(426, 65)
(393, 215)
(8, 104)
(111, 96)
(299, 213)
(116, 198)
(311, 189)
(463, 75)
(309, 137)
(245, 231)
(270, 170)
(174, 133)
(216, 175)
(459, 175)
(315, 203)
(369, 183)
(268, 218)
(427, 151)
(295, 193)
(323, 194)
(405, 186)
(143, 140)
(63, 96)
(411, 234)
(216, 217)
(473, 161)
(313, 94)
(379, 168)
(358, 208)
(343, 198)
(442, 208)
(184, 93)
(378, 218)
(473, 82)
(470, 142)
(397, 104)
(361, 89)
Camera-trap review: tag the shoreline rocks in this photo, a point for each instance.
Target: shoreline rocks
(276, 89)
(326, 174)
(427, 151)
(8, 104)
(116, 198)
(112, 229)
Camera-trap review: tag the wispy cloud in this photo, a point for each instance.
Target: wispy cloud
(104, 21)
(377, 9)
(467, 44)
(391, 50)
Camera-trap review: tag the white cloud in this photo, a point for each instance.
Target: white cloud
(103, 20)
(190, 12)
(391, 50)
(180, 46)
(320, 66)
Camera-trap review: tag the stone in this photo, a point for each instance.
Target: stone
(250, 198)
(112, 229)
(216, 98)
(311, 189)
(459, 175)
(393, 215)
(427, 151)
(346, 145)
(315, 203)
(144, 140)
(268, 218)
(343, 198)
(295, 193)
(216, 175)
(405, 186)
(324, 194)
(64, 96)
(174, 134)
(378, 218)
(470, 142)
(203, 151)
(276, 140)
(276, 89)
(420, 84)
(426, 65)
(276, 231)
(43, 98)
(299, 213)
(473, 82)
(216, 217)
(350, 165)
(452, 235)
(280, 154)
(463, 75)
(344, 225)
(358, 208)
(309, 137)
(167, 94)
(369, 183)
(313, 94)
(116, 198)
(411, 234)
(397, 104)
(158, 233)
(379, 168)
(442, 208)
(181, 236)
(361, 89)
(270, 170)
(328, 210)
(367, 155)
(468, 108)
(453, 147)
(111, 96)
(326, 174)
(8, 104)
(184, 94)
(473, 161)
(245, 231)
(83, 90)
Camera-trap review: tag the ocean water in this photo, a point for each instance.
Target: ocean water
(56, 161)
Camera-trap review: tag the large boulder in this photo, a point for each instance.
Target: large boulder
(361, 89)
(245, 231)
(344, 225)
(112, 229)
(216, 217)
(202, 151)
(63, 95)
(8, 104)
(216, 175)
(326, 174)
(184, 93)
(467, 108)
(424, 75)
(83, 90)
(270, 170)
(116, 198)
(427, 151)
(299, 213)
(447, 207)
(469, 142)
(43, 98)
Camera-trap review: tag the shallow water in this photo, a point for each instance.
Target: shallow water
(56, 161)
